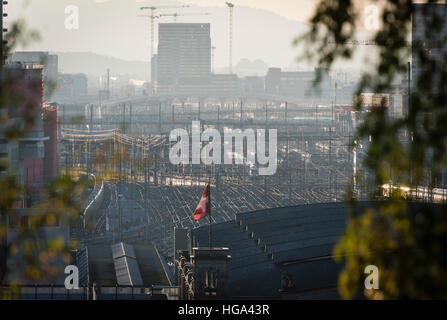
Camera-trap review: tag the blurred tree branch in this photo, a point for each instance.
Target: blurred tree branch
(61, 199)
(403, 240)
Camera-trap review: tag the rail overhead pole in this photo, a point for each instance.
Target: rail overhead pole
(231, 7)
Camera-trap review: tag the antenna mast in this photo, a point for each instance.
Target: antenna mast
(231, 7)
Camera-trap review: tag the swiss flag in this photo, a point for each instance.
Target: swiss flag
(204, 206)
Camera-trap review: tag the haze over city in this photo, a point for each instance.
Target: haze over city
(253, 150)
(101, 23)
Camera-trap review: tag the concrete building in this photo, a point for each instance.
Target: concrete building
(374, 100)
(50, 165)
(202, 273)
(297, 84)
(26, 155)
(33, 156)
(154, 70)
(103, 265)
(429, 34)
(59, 229)
(184, 57)
(281, 252)
(50, 63)
(223, 84)
(345, 92)
(254, 85)
(71, 87)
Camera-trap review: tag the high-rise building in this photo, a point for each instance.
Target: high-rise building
(429, 32)
(71, 87)
(184, 57)
(33, 156)
(298, 84)
(49, 62)
(24, 100)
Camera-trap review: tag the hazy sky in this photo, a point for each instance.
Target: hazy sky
(112, 27)
(291, 9)
(263, 29)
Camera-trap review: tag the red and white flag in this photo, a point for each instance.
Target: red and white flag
(204, 207)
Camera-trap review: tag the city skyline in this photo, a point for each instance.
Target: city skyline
(314, 154)
(98, 32)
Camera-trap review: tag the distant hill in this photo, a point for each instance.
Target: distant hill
(113, 29)
(245, 67)
(96, 65)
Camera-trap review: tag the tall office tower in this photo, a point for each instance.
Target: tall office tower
(184, 57)
(430, 34)
(24, 100)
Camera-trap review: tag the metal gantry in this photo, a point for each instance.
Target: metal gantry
(231, 8)
(314, 163)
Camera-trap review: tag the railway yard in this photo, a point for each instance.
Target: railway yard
(145, 196)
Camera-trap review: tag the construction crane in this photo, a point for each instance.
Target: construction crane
(175, 15)
(231, 7)
(152, 16)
